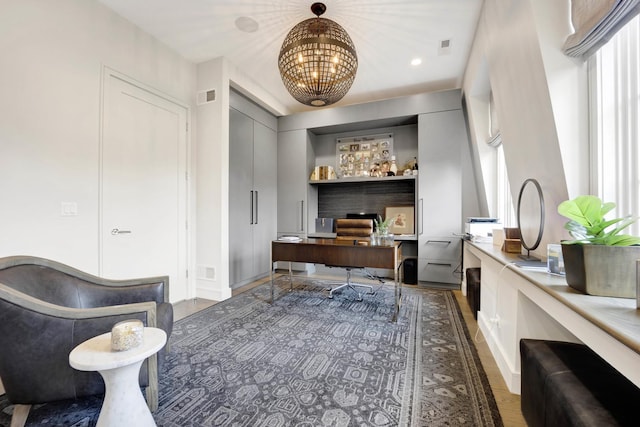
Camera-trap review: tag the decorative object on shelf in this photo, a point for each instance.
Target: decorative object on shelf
(321, 173)
(363, 155)
(403, 219)
(555, 261)
(126, 335)
(512, 246)
(512, 242)
(318, 60)
(393, 167)
(533, 205)
(600, 260)
(385, 168)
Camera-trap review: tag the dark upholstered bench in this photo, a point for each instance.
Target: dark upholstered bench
(567, 384)
(473, 290)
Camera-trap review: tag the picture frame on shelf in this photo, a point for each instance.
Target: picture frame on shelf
(356, 156)
(404, 219)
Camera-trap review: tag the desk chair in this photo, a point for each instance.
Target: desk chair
(357, 230)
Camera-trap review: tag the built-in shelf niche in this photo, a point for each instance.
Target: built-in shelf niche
(337, 198)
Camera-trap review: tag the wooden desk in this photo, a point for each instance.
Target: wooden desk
(341, 253)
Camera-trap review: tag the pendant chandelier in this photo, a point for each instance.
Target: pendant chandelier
(318, 60)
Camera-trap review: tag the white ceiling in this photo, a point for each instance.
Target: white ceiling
(387, 34)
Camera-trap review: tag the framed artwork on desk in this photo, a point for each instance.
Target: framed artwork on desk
(404, 219)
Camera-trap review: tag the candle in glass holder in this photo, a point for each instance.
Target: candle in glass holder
(126, 335)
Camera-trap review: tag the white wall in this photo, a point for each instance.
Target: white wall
(539, 96)
(51, 57)
(212, 250)
(212, 211)
(568, 89)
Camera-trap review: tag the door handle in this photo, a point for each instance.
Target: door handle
(301, 228)
(421, 219)
(256, 207)
(117, 231)
(251, 206)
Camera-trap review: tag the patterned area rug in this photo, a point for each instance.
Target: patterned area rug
(307, 360)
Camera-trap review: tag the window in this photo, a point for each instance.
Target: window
(503, 199)
(615, 122)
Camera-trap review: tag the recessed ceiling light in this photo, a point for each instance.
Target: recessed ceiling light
(416, 61)
(246, 24)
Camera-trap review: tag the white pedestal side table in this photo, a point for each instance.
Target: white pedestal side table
(124, 403)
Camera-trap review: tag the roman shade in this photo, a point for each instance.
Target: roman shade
(595, 22)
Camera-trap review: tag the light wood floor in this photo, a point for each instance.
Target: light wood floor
(508, 403)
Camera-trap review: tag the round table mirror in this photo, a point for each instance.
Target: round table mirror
(530, 215)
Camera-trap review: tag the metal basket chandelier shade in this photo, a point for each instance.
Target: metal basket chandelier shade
(318, 60)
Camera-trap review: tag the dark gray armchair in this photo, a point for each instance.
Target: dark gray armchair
(48, 308)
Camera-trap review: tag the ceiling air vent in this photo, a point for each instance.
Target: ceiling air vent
(445, 47)
(206, 96)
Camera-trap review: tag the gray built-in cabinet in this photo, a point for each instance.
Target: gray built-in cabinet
(295, 159)
(440, 146)
(252, 190)
(441, 137)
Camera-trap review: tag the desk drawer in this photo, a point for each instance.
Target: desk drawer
(440, 248)
(438, 270)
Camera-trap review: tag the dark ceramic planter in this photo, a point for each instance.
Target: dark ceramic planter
(608, 271)
(573, 257)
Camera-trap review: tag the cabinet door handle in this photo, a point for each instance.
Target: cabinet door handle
(447, 242)
(251, 206)
(440, 263)
(301, 228)
(420, 213)
(256, 207)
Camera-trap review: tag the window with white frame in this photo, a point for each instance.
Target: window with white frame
(503, 199)
(614, 74)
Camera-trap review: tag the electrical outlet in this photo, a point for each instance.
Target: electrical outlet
(495, 319)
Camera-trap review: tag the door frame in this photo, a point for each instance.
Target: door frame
(184, 191)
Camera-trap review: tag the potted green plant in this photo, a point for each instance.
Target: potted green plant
(600, 260)
(382, 235)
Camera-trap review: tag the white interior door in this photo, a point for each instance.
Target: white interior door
(144, 197)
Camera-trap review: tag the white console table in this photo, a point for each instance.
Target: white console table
(124, 403)
(517, 303)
